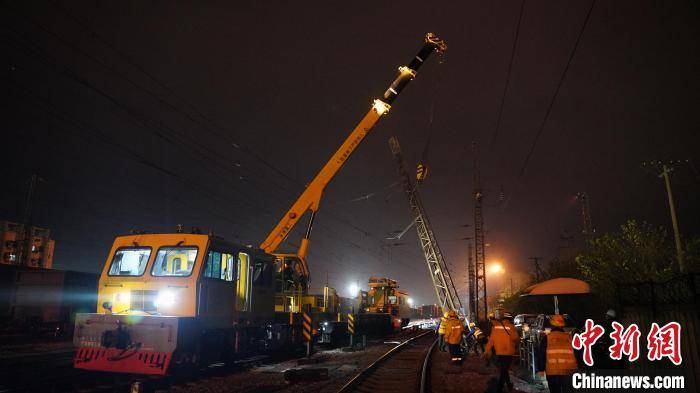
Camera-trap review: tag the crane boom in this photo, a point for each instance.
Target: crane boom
(309, 200)
(442, 281)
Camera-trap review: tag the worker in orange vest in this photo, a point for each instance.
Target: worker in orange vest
(441, 331)
(454, 327)
(503, 339)
(556, 357)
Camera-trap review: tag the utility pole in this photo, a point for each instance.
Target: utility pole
(666, 169)
(511, 286)
(674, 218)
(538, 271)
(587, 229)
(479, 248)
(566, 246)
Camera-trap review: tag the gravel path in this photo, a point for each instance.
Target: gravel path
(341, 367)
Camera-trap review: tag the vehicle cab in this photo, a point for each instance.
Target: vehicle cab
(175, 297)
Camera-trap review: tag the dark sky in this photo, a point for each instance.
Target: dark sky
(214, 114)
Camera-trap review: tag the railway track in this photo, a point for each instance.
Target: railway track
(404, 368)
(55, 372)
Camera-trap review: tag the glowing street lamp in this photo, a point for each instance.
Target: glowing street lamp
(496, 268)
(410, 302)
(354, 289)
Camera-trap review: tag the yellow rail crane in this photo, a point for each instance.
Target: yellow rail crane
(175, 300)
(293, 265)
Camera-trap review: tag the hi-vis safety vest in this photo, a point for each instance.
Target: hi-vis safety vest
(441, 328)
(560, 354)
(503, 338)
(453, 331)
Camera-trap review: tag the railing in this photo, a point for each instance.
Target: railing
(662, 302)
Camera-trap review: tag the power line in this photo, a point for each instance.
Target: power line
(60, 115)
(216, 130)
(510, 68)
(146, 123)
(556, 92)
(149, 92)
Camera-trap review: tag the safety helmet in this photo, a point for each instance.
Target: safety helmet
(611, 313)
(452, 314)
(472, 324)
(498, 314)
(491, 316)
(447, 314)
(557, 320)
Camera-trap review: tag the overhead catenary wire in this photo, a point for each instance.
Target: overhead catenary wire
(519, 186)
(136, 157)
(145, 122)
(162, 101)
(215, 128)
(101, 136)
(556, 91)
(499, 117)
(131, 82)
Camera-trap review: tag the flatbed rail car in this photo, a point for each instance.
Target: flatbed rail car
(166, 300)
(37, 302)
(46, 301)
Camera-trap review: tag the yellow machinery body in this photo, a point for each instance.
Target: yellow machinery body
(175, 298)
(310, 198)
(117, 289)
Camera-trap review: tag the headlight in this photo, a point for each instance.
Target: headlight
(165, 298)
(123, 297)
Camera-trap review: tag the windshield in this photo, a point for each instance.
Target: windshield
(129, 261)
(174, 261)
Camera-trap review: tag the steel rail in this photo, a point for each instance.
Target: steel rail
(424, 388)
(373, 366)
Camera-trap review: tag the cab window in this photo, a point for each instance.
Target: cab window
(243, 286)
(130, 261)
(220, 265)
(174, 262)
(262, 273)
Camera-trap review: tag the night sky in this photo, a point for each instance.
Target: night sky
(144, 115)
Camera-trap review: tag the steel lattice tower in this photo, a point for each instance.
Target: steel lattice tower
(471, 281)
(439, 273)
(587, 230)
(479, 248)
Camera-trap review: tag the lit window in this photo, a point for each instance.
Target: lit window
(129, 261)
(221, 266)
(227, 266)
(174, 261)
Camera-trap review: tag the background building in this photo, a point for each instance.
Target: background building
(31, 248)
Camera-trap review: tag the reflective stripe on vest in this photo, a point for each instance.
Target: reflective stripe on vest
(560, 354)
(441, 328)
(507, 328)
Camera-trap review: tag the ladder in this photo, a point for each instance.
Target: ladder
(445, 290)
